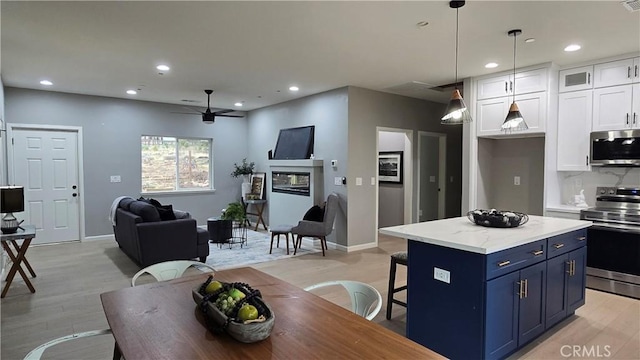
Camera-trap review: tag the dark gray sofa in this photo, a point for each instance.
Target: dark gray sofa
(148, 240)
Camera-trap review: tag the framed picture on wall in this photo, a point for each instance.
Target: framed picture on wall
(257, 186)
(390, 167)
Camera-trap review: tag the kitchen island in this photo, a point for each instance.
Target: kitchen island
(482, 293)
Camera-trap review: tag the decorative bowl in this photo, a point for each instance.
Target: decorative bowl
(497, 218)
(218, 321)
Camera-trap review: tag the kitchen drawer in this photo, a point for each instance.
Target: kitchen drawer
(561, 244)
(506, 261)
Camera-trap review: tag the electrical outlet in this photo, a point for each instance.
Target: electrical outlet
(373, 180)
(420, 212)
(337, 181)
(516, 180)
(442, 275)
(432, 179)
(358, 181)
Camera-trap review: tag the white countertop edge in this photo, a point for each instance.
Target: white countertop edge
(486, 250)
(565, 209)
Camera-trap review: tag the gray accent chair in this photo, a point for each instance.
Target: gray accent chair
(316, 229)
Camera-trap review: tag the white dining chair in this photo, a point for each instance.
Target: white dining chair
(366, 301)
(168, 270)
(36, 353)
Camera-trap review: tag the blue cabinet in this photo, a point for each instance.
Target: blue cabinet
(493, 304)
(515, 310)
(566, 281)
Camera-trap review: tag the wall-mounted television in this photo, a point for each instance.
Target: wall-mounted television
(294, 143)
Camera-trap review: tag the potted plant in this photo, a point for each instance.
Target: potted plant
(245, 170)
(235, 212)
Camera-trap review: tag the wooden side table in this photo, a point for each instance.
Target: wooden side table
(259, 205)
(18, 257)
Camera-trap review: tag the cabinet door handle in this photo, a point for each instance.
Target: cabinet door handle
(636, 70)
(635, 116)
(582, 238)
(629, 72)
(537, 252)
(627, 118)
(587, 160)
(520, 289)
(526, 287)
(504, 263)
(506, 86)
(510, 85)
(558, 246)
(589, 78)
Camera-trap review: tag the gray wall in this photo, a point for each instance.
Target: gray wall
(111, 131)
(369, 109)
(328, 112)
(429, 166)
(501, 160)
(391, 196)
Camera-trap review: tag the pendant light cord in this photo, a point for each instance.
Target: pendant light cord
(456, 85)
(515, 36)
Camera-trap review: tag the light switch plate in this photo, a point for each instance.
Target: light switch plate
(432, 179)
(337, 181)
(115, 178)
(442, 275)
(516, 180)
(373, 180)
(358, 181)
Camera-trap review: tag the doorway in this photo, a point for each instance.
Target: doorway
(46, 160)
(431, 176)
(395, 198)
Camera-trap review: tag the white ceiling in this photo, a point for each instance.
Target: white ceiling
(252, 51)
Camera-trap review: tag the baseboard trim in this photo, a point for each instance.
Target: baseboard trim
(98, 238)
(352, 248)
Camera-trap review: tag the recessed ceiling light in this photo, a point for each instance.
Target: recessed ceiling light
(491, 65)
(573, 47)
(46, 82)
(293, 88)
(238, 104)
(163, 67)
(131, 92)
(529, 40)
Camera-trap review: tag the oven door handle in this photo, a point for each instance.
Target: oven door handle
(615, 227)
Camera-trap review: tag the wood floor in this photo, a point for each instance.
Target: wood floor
(72, 276)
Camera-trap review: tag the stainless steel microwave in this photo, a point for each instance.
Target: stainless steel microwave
(615, 148)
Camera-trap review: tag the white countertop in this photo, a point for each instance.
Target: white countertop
(460, 233)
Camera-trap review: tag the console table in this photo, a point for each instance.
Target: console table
(259, 205)
(26, 233)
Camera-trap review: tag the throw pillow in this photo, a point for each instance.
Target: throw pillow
(166, 212)
(315, 213)
(146, 211)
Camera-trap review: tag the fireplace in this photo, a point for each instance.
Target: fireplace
(296, 183)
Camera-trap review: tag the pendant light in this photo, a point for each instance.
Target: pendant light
(514, 120)
(456, 112)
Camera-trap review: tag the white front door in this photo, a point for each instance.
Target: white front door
(45, 162)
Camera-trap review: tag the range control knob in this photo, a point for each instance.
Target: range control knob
(612, 192)
(602, 191)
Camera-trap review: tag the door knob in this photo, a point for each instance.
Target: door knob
(74, 194)
(74, 187)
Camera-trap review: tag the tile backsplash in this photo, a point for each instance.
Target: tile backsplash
(573, 182)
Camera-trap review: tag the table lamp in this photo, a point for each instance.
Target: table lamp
(11, 200)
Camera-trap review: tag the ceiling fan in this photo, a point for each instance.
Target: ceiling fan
(208, 116)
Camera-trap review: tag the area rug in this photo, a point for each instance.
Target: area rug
(256, 250)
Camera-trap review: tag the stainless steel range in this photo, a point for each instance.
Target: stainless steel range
(613, 242)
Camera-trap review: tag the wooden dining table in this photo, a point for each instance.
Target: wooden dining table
(161, 321)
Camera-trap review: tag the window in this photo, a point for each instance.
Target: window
(176, 164)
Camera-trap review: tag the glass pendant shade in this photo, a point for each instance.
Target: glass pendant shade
(514, 120)
(456, 112)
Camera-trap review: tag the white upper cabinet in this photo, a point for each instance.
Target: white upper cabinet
(494, 87)
(503, 85)
(612, 108)
(575, 79)
(574, 126)
(613, 73)
(490, 114)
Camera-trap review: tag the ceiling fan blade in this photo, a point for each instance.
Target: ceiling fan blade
(233, 116)
(186, 113)
(223, 111)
